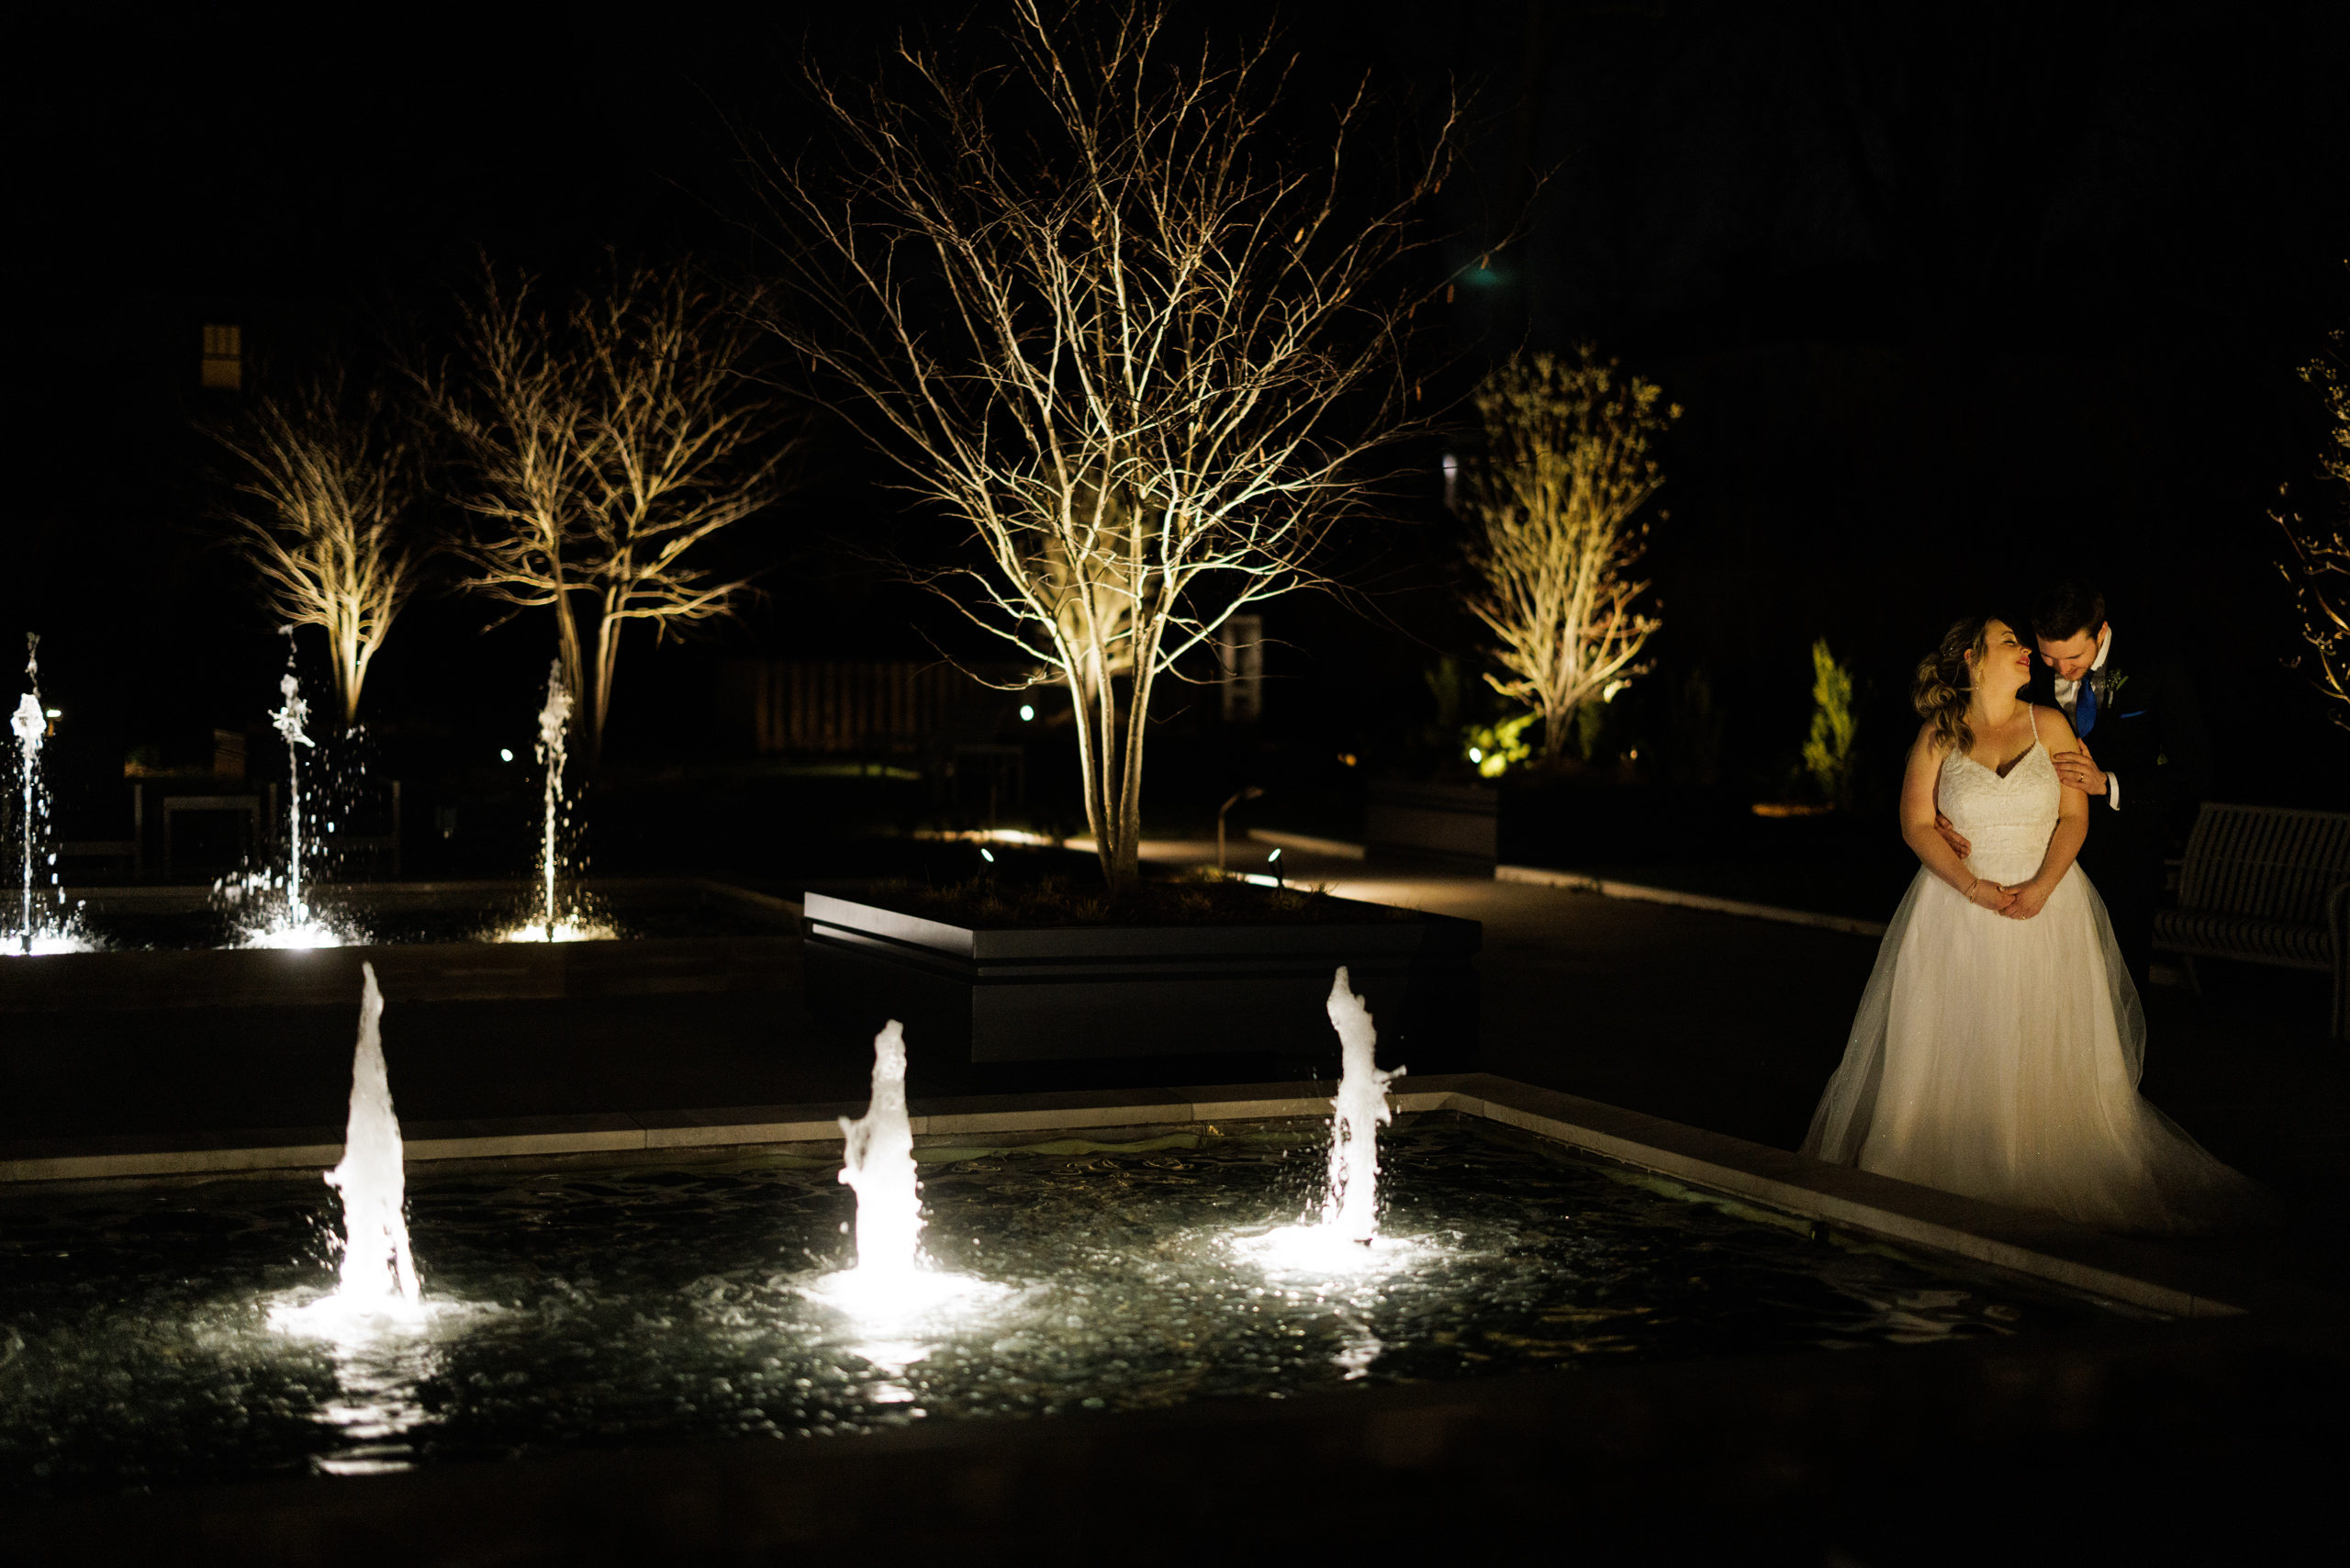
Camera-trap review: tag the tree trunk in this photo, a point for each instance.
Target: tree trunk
(1558, 725)
(1126, 875)
(1112, 776)
(348, 671)
(567, 646)
(607, 659)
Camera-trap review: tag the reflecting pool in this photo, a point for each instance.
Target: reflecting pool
(638, 1305)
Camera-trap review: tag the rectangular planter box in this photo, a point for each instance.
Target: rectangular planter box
(1057, 992)
(1454, 824)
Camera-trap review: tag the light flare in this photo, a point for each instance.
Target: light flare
(561, 931)
(51, 941)
(294, 935)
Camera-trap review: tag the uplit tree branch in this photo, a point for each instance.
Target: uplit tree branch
(2318, 559)
(325, 480)
(1098, 310)
(1551, 498)
(603, 445)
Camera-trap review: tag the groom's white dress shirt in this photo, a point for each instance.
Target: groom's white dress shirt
(2068, 697)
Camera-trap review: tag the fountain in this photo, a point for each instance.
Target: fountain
(1350, 1209)
(878, 1156)
(376, 1264)
(1346, 1238)
(554, 921)
(687, 1299)
(891, 1280)
(377, 1280)
(288, 722)
(291, 924)
(30, 724)
(554, 724)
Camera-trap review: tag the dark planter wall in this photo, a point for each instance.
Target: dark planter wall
(1087, 993)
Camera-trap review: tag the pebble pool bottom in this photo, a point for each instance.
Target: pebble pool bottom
(640, 1306)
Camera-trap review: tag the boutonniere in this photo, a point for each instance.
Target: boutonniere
(2114, 682)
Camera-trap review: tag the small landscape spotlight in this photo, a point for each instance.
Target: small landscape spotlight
(504, 754)
(1273, 857)
(987, 855)
(1027, 713)
(55, 714)
(1476, 755)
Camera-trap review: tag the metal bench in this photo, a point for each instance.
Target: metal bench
(2265, 885)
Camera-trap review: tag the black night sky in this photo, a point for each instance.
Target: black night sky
(1952, 296)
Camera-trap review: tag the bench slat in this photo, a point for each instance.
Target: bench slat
(2267, 863)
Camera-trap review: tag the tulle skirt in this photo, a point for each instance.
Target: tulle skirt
(2000, 1058)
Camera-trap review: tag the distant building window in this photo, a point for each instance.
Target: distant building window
(224, 357)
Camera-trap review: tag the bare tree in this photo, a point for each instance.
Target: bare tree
(604, 445)
(2318, 563)
(325, 480)
(1100, 312)
(1565, 468)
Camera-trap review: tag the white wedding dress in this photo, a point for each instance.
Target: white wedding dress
(1999, 1057)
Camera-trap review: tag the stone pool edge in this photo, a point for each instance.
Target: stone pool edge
(2124, 1268)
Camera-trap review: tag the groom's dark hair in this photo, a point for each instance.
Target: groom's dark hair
(2065, 609)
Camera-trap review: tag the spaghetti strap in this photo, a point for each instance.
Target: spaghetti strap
(2035, 710)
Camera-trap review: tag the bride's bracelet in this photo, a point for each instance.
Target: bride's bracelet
(1971, 891)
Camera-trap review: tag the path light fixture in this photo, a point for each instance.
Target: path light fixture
(1251, 793)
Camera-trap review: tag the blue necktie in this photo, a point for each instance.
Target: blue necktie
(2085, 716)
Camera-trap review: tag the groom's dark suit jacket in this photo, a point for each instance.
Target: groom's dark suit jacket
(2149, 732)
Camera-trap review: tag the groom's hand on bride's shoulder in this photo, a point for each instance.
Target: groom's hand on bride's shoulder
(1958, 841)
(2080, 771)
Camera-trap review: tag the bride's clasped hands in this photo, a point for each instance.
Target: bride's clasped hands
(2026, 899)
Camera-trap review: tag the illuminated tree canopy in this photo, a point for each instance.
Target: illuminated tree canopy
(1096, 306)
(1552, 499)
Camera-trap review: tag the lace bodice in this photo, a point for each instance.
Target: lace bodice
(2009, 820)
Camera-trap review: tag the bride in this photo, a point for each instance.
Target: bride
(1997, 1046)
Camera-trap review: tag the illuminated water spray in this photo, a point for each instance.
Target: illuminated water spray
(892, 1282)
(30, 722)
(378, 1271)
(555, 724)
(880, 1166)
(1346, 1240)
(1350, 1206)
(289, 721)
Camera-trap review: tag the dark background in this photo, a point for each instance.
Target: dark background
(1951, 296)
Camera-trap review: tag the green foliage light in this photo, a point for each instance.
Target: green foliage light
(1496, 748)
(1831, 752)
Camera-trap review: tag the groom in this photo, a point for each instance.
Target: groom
(2143, 750)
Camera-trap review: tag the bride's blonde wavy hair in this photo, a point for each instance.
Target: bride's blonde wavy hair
(1944, 688)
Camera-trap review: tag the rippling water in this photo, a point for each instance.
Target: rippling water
(644, 1306)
